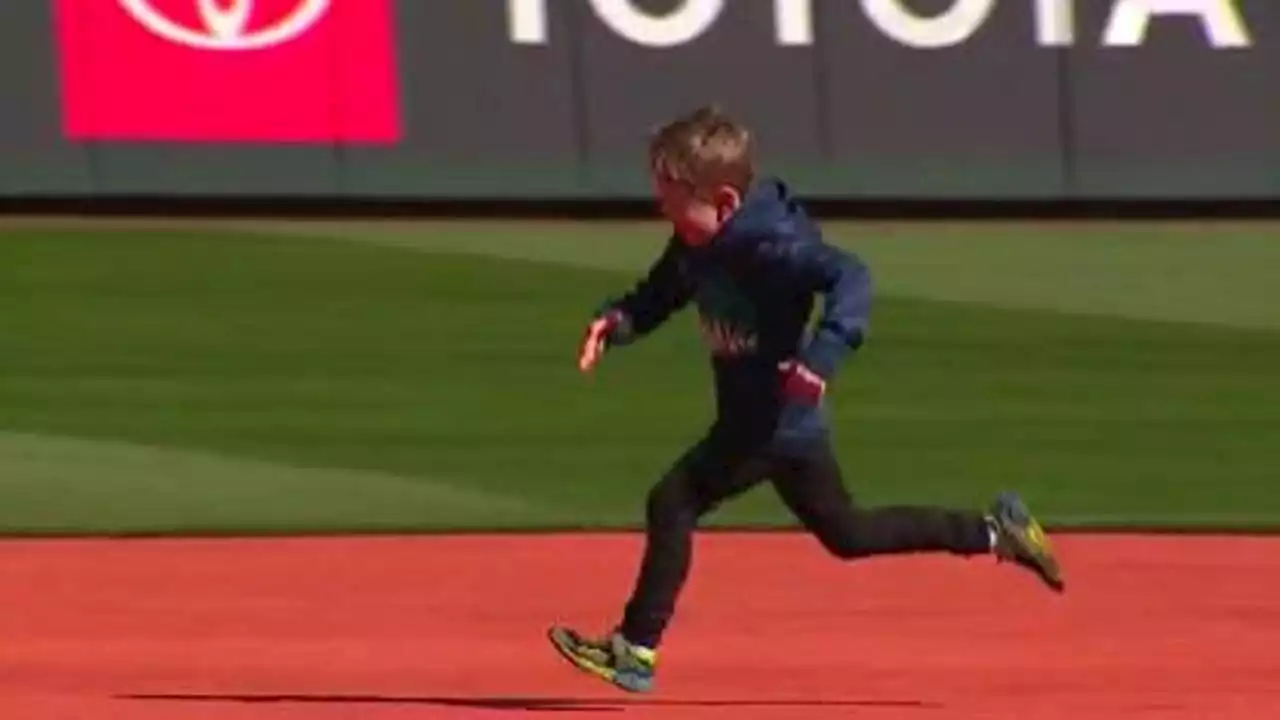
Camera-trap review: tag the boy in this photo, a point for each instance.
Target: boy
(744, 252)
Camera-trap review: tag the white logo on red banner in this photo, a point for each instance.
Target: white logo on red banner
(226, 24)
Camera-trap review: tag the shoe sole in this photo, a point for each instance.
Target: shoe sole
(624, 681)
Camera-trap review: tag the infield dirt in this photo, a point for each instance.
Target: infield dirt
(769, 627)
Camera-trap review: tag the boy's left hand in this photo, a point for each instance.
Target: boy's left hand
(801, 383)
(596, 339)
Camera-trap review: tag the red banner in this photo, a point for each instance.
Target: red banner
(305, 71)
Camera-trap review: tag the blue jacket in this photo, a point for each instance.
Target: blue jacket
(754, 286)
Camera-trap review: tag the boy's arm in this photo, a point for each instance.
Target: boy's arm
(845, 283)
(659, 294)
(654, 298)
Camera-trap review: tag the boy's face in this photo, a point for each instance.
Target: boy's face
(697, 216)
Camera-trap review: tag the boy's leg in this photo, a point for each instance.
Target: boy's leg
(811, 485)
(702, 478)
(705, 476)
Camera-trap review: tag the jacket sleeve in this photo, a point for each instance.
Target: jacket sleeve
(844, 281)
(662, 291)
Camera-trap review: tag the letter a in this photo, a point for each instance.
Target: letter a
(1220, 19)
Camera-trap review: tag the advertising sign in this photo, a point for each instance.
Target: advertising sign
(455, 99)
(304, 71)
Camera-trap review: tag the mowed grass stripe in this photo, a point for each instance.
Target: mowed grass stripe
(61, 485)
(328, 354)
(1215, 273)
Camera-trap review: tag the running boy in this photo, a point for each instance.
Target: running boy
(746, 255)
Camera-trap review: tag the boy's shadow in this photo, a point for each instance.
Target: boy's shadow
(525, 704)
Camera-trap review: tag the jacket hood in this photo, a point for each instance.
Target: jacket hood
(768, 208)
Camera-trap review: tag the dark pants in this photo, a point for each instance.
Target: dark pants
(810, 483)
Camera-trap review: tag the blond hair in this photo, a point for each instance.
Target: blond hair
(703, 149)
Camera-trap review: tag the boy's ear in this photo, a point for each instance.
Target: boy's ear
(727, 199)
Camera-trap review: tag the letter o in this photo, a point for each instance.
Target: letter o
(954, 26)
(682, 25)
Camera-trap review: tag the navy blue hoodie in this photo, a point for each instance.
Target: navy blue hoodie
(754, 286)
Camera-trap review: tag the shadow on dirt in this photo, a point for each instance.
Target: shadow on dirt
(529, 704)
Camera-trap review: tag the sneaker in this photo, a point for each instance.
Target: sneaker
(1020, 539)
(613, 658)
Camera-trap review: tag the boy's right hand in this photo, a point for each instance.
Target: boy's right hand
(596, 339)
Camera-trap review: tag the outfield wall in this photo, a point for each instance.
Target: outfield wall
(496, 99)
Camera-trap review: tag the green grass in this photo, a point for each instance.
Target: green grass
(223, 381)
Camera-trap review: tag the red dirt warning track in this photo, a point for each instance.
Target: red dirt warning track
(769, 627)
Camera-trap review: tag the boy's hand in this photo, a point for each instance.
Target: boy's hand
(800, 383)
(596, 339)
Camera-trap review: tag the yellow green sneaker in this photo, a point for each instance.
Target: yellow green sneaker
(1020, 539)
(612, 659)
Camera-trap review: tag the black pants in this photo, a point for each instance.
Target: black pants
(810, 483)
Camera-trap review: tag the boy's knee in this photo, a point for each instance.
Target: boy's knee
(846, 545)
(844, 536)
(670, 502)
